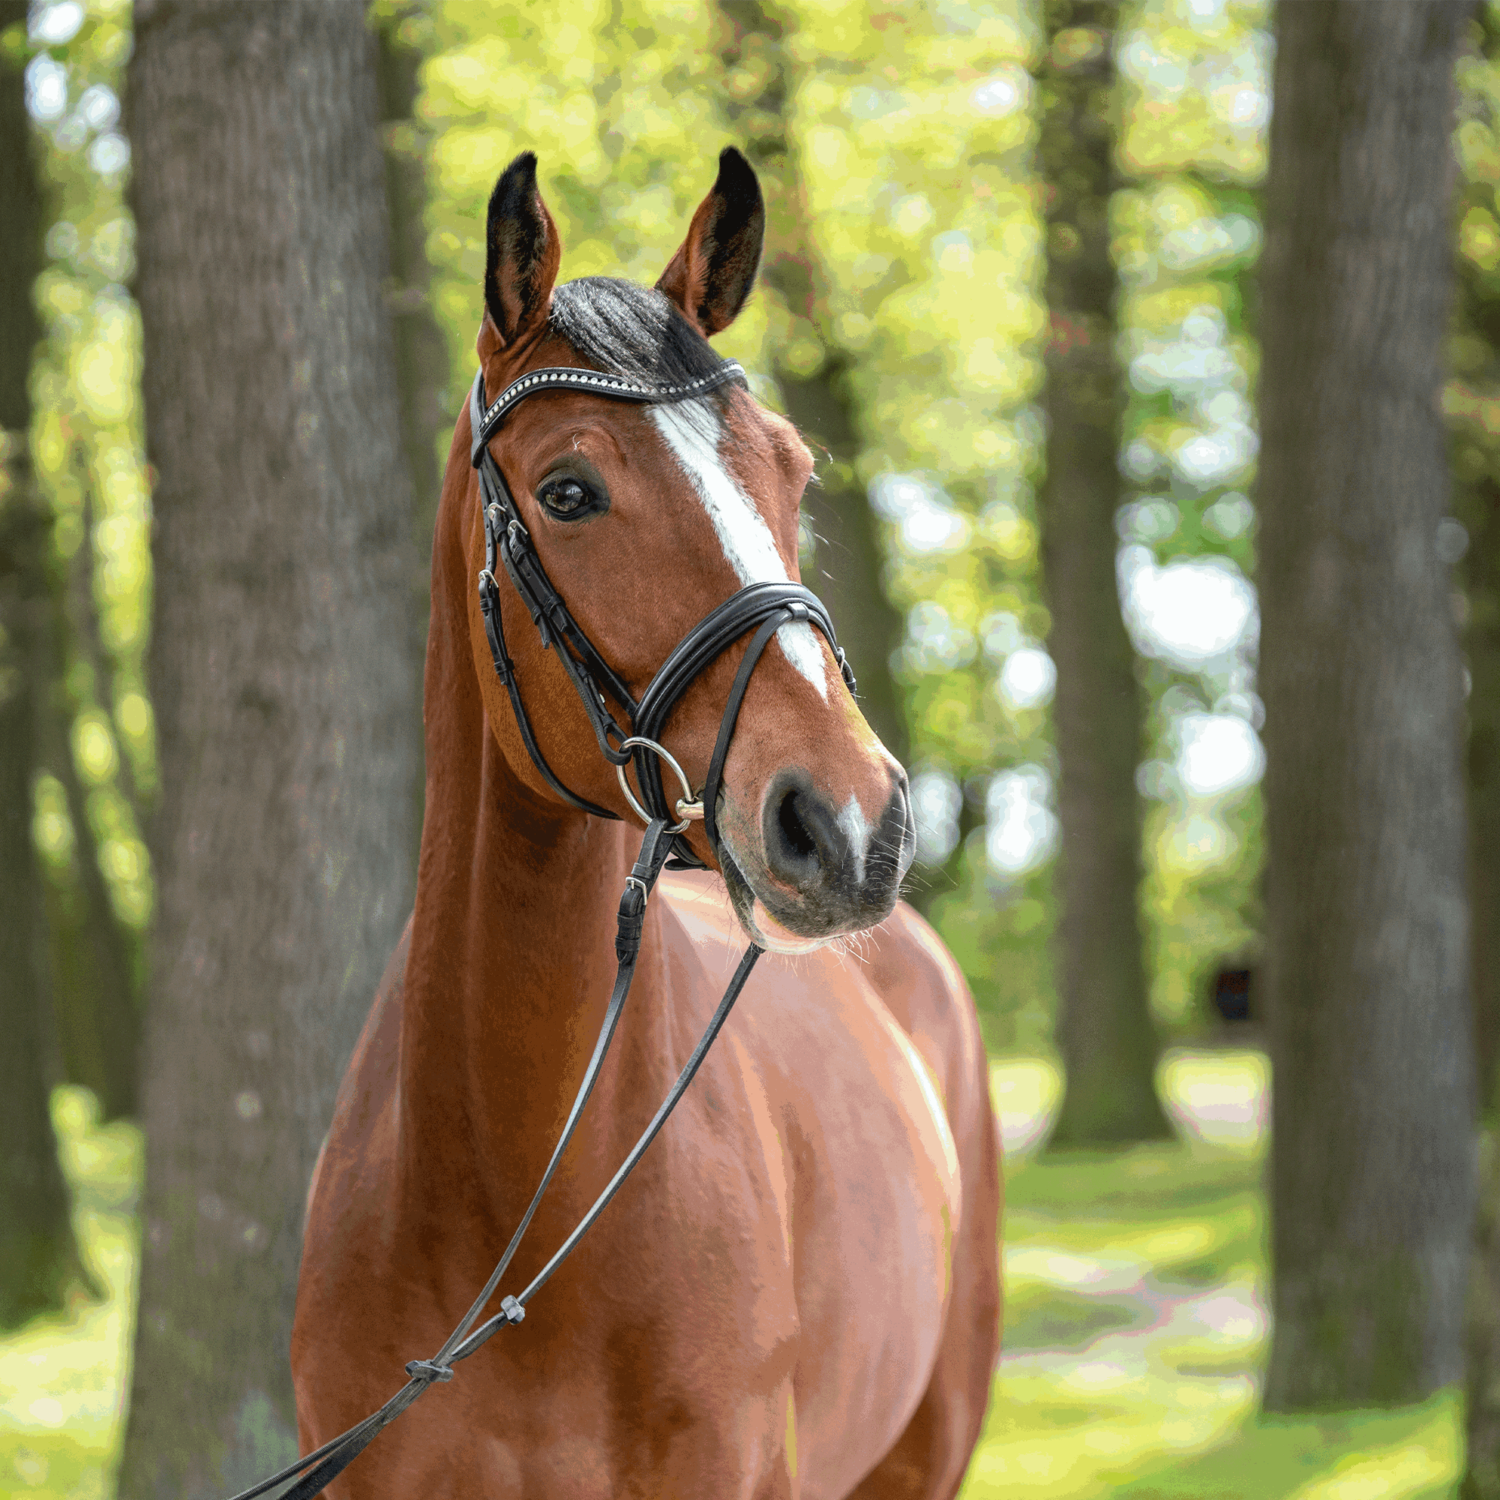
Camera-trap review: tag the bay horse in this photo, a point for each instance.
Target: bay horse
(797, 1293)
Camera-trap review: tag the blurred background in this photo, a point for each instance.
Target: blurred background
(1023, 294)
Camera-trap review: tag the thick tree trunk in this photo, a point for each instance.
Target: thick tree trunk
(1104, 1028)
(283, 680)
(849, 559)
(1372, 1138)
(421, 353)
(38, 1256)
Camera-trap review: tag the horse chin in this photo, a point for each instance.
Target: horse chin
(774, 938)
(760, 926)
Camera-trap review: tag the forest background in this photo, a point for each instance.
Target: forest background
(914, 134)
(928, 214)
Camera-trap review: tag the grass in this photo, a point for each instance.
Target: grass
(1136, 1323)
(62, 1379)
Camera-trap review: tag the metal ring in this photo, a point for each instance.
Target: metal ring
(687, 804)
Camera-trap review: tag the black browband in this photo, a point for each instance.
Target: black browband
(762, 607)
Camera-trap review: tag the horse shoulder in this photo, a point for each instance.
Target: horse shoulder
(911, 969)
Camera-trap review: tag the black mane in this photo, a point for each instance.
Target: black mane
(625, 329)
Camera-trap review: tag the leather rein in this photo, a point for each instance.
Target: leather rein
(761, 607)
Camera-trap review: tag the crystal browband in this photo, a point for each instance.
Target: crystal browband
(595, 383)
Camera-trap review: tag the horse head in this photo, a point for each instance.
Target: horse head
(647, 517)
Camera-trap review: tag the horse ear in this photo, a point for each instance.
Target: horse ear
(711, 275)
(522, 251)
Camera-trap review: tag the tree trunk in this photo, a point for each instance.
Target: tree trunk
(283, 679)
(38, 1257)
(1372, 1125)
(1104, 1029)
(849, 558)
(97, 1013)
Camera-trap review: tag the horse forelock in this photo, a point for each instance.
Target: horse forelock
(623, 328)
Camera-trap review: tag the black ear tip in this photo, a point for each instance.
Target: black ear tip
(736, 176)
(515, 182)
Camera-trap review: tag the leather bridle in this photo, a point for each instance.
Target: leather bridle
(767, 606)
(761, 607)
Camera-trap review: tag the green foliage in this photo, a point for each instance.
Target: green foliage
(1001, 935)
(915, 135)
(87, 444)
(1195, 111)
(1472, 396)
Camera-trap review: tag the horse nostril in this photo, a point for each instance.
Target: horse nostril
(803, 842)
(794, 831)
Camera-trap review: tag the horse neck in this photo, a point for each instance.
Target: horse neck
(512, 955)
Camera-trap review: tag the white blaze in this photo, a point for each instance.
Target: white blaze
(744, 536)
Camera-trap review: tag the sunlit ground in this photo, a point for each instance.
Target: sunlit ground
(1136, 1322)
(62, 1379)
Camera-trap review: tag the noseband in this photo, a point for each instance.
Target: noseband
(761, 607)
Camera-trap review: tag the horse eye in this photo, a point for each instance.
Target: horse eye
(565, 497)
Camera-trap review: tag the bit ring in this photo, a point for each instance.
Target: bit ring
(688, 808)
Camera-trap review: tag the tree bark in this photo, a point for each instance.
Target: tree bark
(38, 1255)
(1372, 1125)
(849, 557)
(1104, 1028)
(283, 679)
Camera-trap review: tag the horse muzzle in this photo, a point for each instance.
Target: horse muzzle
(810, 869)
